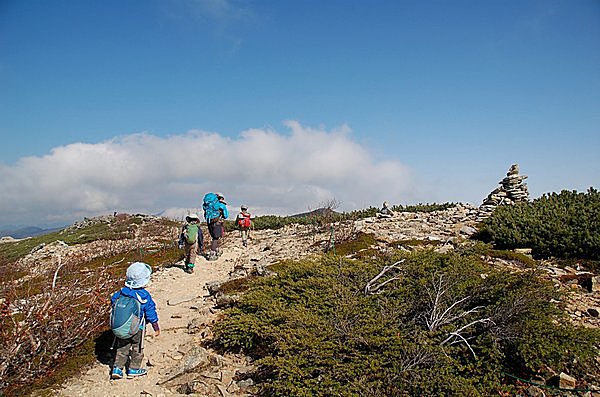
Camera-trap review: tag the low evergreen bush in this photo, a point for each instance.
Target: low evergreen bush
(561, 225)
(446, 325)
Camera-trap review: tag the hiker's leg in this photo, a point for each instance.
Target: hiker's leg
(213, 236)
(216, 231)
(188, 252)
(191, 260)
(219, 231)
(200, 241)
(137, 350)
(122, 352)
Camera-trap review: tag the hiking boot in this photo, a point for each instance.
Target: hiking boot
(212, 256)
(117, 373)
(133, 372)
(189, 269)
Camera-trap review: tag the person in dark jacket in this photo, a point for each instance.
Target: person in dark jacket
(132, 349)
(215, 212)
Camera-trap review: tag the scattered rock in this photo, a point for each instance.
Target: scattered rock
(213, 287)
(223, 390)
(595, 284)
(245, 383)
(238, 271)
(468, 230)
(194, 387)
(262, 270)
(216, 375)
(534, 391)
(195, 325)
(566, 381)
(524, 251)
(222, 300)
(197, 357)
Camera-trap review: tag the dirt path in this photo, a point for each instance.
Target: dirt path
(181, 299)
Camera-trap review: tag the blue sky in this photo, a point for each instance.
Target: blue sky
(425, 100)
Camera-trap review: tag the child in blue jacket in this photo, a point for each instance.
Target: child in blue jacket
(132, 349)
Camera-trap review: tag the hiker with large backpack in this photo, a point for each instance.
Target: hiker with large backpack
(192, 241)
(215, 212)
(131, 308)
(244, 223)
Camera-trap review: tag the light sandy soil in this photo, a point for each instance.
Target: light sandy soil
(180, 297)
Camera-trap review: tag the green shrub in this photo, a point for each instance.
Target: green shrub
(315, 332)
(361, 241)
(564, 225)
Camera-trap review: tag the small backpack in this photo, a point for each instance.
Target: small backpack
(191, 233)
(244, 221)
(126, 316)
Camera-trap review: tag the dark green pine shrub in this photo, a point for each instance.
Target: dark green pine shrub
(563, 225)
(315, 332)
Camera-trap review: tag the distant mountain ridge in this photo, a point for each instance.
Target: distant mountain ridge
(317, 212)
(25, 231)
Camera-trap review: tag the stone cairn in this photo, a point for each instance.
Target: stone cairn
(512, 190)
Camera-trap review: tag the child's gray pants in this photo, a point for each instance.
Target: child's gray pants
(132, 349)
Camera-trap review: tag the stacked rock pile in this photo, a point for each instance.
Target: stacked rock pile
(511, 190)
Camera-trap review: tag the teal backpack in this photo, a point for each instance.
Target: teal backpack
(210, 205)
(126, 317)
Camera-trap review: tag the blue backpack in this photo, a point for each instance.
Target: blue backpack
(210, 206)
(126, 317)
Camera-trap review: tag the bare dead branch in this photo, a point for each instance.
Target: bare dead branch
(56, 273)
(458, 334)
(412, 361)
(372, 288)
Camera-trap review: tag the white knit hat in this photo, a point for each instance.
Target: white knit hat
(138, 275)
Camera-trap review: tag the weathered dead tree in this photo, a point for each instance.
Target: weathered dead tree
(445, 308)
(374, 286)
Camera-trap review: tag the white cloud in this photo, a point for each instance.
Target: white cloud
(272, 172)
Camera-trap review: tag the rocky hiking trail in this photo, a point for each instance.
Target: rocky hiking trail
(178, 362)
(185, 314)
